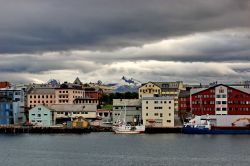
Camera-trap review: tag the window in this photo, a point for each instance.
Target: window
(33, 114)
(39, 115)
(169, 107)
(160, 114)
(45, 114)
(39, 109)
(217, 109)
(224, 102)
(169, 114)
(156, 114)
(221, 90)
(146, 102)
(224, 109)
(146, 107)
(156, 102)
(146, 114)
(169, 102)
(218, 102)
(169, 121)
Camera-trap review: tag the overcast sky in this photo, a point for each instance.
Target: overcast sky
(149, 40)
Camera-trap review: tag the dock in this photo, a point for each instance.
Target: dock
(42, 130)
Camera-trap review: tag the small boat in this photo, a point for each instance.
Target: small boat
(122, 127)
(128, 129)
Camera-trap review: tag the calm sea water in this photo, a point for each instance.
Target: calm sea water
(97, 149)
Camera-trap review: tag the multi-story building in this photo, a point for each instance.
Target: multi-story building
(40, 96)
(6, 110)
(67, 93)
(184, 105)
(158, 111)
(41, 116)
(133, 110)
(170, 89)
(221, 100)
(16, 100)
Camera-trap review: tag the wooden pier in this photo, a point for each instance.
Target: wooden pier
(42, 130)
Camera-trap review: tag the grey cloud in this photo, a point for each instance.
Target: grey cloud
(43, 25)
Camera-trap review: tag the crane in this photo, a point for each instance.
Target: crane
(248, 119)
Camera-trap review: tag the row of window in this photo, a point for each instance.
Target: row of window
(149, 90)
(65, 91)
(63, 101)
(149, 85)
(221, 96)
(157, 108)
(220, 102)
(85, 101)
(40, 96)
(67, 113)
(221, 109)
(43, 102)
(160, 102)
(39, 115)
(157, 114)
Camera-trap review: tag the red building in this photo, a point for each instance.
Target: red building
(221, 100)
(184, 104)
(5, 84)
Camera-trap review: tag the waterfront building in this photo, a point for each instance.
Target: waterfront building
(184, 104)
(41, 116)
(133, 110)
(16, 100)
(6, 111)
(40, 95)
(221, 99)
(158, 111)
(160, 89)
(69, 112)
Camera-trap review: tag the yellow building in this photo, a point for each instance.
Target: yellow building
(80, 122)
(163, 89)
(149, 90)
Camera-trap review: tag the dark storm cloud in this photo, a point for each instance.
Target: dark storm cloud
(45, 25)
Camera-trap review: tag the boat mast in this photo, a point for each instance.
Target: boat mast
(125, 113)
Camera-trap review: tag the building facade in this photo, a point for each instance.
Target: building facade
(69, 112)
(184, 105)
(133, 110)
(158, 111)
(40, 96)
(221, 100)
(41, 116)
(16, 99)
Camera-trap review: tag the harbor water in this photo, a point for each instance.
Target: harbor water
(108, 149)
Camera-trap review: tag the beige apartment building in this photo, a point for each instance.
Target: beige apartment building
(168, 89)
(158, 111)
(40, 96)
(67, 95)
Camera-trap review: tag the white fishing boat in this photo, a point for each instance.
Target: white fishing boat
(122, 127)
